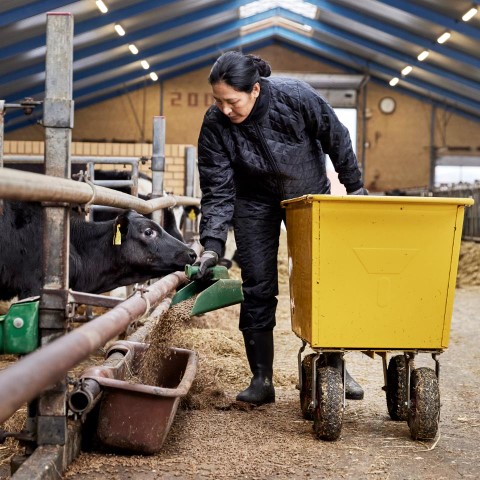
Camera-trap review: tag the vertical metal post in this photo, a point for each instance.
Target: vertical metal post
(134, 176)
(2, 112)
(158, 163)
(58, 123)
(433, 149)
(190, 164)
(191, 224)
(364, 128)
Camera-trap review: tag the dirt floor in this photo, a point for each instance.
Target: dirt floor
(215, 438)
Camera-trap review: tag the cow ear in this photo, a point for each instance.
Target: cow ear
(120, 228)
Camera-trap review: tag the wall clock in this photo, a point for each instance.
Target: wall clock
(387, 105)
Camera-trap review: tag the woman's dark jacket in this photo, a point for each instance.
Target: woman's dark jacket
(277, 153)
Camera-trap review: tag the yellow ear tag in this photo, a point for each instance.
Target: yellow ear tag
(191, 214)
(117, 239)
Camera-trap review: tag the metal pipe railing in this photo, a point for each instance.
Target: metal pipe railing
(87, 392)
(28, 186)
(26, 379)
(39, 159)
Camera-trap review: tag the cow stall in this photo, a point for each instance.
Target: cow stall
(52, 435)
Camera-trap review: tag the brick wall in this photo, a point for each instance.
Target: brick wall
(174, 157)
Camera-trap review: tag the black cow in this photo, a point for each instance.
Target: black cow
(103, 255)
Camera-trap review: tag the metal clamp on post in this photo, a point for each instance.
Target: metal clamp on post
(53, 300)
(58, 113)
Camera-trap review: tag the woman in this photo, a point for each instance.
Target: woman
(263, 141)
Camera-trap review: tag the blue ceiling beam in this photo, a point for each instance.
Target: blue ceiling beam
(160, 27)
(128, 58)
(430, 15)
(20, 13)
(370, 66)
(170, 45)
(423, 42)
(308, 53)
(130, 37)
(363, 42)
(362, 64)
(97, 21)
(285, 39)
(255, 37)
(357, 40)
(237, 42)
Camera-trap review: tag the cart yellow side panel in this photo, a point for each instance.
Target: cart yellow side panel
(300, 265)
(453, 275)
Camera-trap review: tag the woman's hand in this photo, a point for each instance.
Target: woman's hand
(208, 259)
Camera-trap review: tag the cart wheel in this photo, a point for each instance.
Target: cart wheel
(397, 388)
(306, 390)
(328, 413)
(424, 411)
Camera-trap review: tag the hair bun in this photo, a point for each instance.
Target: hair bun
(263, 67)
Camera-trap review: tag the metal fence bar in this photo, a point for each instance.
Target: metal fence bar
(24, 380)
(11, 158)
(27, 186)
(471, 223)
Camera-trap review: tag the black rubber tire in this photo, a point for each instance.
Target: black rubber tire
(424, 411)
(306, 390)
(328, 413)
(396, 391)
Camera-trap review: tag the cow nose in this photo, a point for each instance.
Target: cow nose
(192, 255)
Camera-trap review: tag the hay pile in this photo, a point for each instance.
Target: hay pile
(161, 338)
(221, 355)
(469, 265)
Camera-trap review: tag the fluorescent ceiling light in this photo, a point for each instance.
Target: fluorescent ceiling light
(133, 48)
(101, 6)
(119, 29)
(305, 9)
(422, 56)
(407, 70)
(153, 76)
(393, 81)
(470, 14)
(443, 37)
(145, 64)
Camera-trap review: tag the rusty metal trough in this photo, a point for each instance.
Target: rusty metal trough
(134, 417)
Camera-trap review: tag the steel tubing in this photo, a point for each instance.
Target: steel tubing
(35, 187)
(40, 159)
(87, 393)
(26, 379)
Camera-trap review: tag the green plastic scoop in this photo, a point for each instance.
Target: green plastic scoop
(218, 291)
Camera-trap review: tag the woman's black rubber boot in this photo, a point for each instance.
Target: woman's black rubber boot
(259, 349)
(353, 391)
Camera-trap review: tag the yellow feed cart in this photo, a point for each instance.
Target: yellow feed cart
(375, 274)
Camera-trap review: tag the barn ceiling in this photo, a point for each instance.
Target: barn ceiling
(379, 38)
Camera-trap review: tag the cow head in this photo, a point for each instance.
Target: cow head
(147, 247)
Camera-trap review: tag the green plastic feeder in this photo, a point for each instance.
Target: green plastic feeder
(218, 291)
(19, 328)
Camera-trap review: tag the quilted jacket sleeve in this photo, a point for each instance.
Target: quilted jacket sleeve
(323, 123)
(216, 183)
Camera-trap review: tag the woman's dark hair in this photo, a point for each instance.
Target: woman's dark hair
(239, 71)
